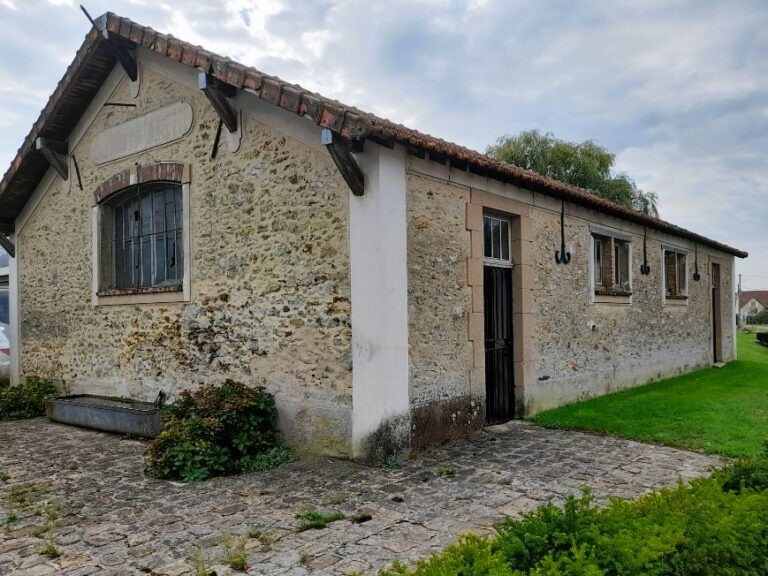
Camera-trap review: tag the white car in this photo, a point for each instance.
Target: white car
(5, 344)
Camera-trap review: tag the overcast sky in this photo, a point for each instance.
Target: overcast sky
(677, 89)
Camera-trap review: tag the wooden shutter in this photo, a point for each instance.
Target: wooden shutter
(607, 262)
(670, 270)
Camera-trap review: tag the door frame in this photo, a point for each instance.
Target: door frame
(501, 263)
(519, 214)
(716, 302)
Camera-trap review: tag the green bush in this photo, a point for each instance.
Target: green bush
(25, 400)
(716, 526)
(761, 317)
(213, 431)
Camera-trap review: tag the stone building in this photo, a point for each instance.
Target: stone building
(177, 218)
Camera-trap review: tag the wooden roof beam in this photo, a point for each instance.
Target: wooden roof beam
(341, 154)
(56, 154)
(119, 46)
(218, 95)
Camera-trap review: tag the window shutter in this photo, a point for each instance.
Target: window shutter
(607, 263)
(624, 265)
(670, 269)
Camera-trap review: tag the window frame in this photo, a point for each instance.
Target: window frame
(490, 260)
(146, 245)
(608, 241)
(680, 297)
(102, 214)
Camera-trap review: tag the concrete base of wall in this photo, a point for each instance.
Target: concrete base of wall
(390, 440)
(438, 422)
(549, 394)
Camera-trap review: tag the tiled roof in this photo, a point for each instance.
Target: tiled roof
(94, 61)
(747, 295)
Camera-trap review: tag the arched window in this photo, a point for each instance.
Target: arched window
(142, 244)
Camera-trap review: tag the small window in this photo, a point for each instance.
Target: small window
(675, 274)
(611, 266)
(141, 238)
(3, 258)
(496, 239)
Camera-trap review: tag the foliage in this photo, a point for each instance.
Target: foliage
(25, 400)
(702, 529)
(212, 431)
(201, 564)
(720, 411)
(314, 520)
(761, 317)
(586, 164)
(272, 458)
(235, 555)
(392, 464)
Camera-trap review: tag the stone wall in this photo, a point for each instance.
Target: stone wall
(585, 349)
(570, 347)
(269, 275)
(439, 302)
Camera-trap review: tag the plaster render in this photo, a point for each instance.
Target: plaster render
(378, 241)
(269, 266)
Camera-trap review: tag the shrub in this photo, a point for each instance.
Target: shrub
(704, 529)
(761, 317)
(212, 431)
(272, 458)
(25, 400)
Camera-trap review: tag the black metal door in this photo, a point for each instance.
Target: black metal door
(499, 368)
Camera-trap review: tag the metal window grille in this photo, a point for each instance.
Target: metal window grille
(144, 242)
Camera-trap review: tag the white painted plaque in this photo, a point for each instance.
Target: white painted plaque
(147, 131)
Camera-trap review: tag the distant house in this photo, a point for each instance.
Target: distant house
(751, 303)
(179, 218)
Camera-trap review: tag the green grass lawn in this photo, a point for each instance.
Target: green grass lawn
(718, 410)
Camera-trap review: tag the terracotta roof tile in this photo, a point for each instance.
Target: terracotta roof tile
(747, 295)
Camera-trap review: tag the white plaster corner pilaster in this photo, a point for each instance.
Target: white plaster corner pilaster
(379, 279)
(13, 305)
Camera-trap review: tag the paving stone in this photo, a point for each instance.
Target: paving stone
(117, 521)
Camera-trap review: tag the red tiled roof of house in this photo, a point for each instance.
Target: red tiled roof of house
(747, 295)
(94, 61)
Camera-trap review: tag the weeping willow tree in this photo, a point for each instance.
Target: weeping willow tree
(586, 164)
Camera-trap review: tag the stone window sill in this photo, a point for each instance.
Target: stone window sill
(676, 300)
(612, 292)
(612, 299)
(146, 290)
(149, 295)
(612, 296)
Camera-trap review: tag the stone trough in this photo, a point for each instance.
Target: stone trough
(120, 415)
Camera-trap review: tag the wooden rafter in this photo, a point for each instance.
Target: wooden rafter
(119, 46)
(341, 154)
(218, 95)
(56, 154)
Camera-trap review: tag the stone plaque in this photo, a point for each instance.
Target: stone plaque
(147, 131)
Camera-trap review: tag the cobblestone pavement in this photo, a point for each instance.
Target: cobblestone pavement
(113, 520)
